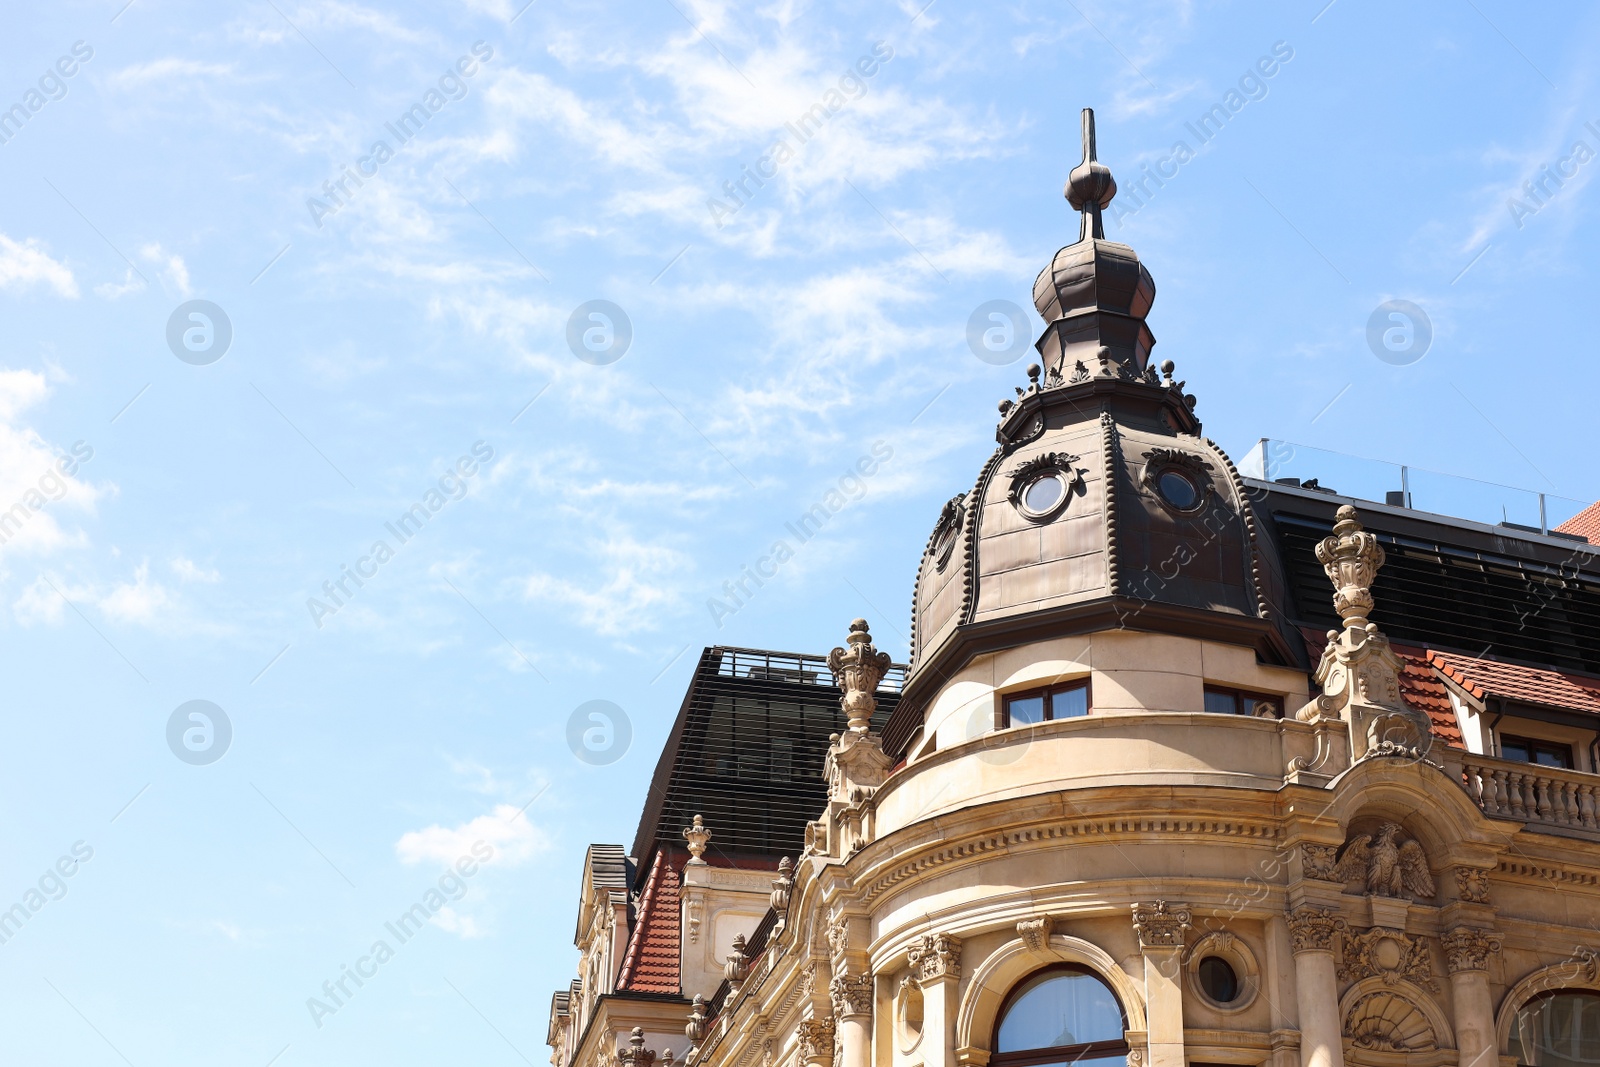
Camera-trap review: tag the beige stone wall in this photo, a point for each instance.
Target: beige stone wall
(1044, 858)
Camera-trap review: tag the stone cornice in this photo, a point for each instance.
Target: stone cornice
(1109, 828)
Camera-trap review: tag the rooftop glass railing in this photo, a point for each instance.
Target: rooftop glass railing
(1401, 485)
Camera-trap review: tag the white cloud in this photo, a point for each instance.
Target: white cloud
(463, 926)
(168, 71)
(507, 831)
(171, 267)
(38, 603)
(638, 580)
(34, 479)
(141, 600)
(189, 571)
(25, 264)
(131, 283)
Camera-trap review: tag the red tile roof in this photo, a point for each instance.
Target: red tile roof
(1419, 686)
(1585, 523)
(1535, 685)
(651, 962)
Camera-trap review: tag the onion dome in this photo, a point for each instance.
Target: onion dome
(1103, 506)
(1094, 294)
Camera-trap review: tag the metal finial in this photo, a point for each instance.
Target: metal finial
(1090, 186)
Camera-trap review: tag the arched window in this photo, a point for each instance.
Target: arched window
(1560, 1029)
(1063, 1015)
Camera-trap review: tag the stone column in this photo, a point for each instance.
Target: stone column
(936, 964)
(852, 1007)
(1312, 932)
(1160, 927)
(1468, 951)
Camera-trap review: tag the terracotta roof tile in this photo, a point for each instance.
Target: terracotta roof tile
(651, 962)
(1419, 686)
(1585, 523)
(1535, 685)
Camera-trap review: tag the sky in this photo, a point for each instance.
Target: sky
(544, 349)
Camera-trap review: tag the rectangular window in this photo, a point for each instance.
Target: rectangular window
(1223, 701)
(1041, 705)
(1543, 753)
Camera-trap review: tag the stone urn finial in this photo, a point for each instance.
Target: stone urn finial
(738, 963)
(636, 1055)
(857, 670)
(698, 837)
(783, 886)
(696, 1030)
(1351, 558)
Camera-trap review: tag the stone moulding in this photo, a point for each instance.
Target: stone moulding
(1109, 828)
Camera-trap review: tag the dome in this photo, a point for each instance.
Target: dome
(1103, 506)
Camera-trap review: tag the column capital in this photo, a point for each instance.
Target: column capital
(936, 956)
(1313, 929)
(1469, 949)
(1160, 925)
(852, 995)
(816, 1040)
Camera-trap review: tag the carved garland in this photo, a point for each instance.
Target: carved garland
(947, 531)
(1024, 475)
(1160, 460)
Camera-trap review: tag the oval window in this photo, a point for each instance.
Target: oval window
(1177, 490)
(1218, 979)
(1044, 493)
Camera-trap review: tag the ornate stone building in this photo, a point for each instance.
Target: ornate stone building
(1186, 768)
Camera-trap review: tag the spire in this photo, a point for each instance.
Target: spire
(1095, 293)
(1090, 186)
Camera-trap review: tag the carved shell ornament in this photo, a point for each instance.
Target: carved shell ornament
(1041, 486)
(1385, 1022)
(1180, 481)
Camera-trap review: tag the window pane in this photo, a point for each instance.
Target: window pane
(1511, 748)
(1221, 703)
(1553, 756)
(1023, 710)
(1067, 703)
(1558, 1031)
(1061, 1008)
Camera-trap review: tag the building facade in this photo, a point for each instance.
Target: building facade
(1186, 768)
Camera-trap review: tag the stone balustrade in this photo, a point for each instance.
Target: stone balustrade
(1551, 795)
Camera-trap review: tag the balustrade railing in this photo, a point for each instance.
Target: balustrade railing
(1533, 793)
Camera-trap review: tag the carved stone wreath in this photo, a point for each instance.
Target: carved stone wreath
(1391, 955)
(1025, 474)
(1160, 460)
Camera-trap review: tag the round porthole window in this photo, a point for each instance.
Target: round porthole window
(1177, 490)
(1044, 493)
(908, 1014)
(1222, 973)
(1218, 979)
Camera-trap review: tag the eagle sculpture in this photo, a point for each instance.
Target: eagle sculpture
(1388, 869)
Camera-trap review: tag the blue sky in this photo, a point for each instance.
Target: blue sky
(188, 510)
